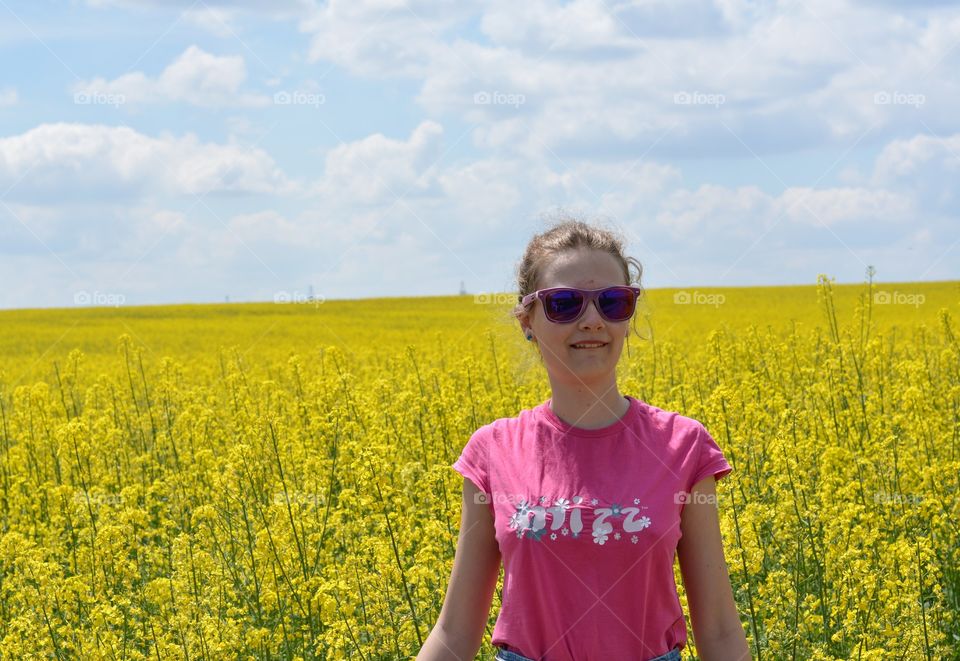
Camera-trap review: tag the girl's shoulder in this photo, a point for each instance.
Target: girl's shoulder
(667, 421)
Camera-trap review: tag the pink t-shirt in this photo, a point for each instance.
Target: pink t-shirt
(587, 521)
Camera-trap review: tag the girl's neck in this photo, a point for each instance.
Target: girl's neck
(588, 409)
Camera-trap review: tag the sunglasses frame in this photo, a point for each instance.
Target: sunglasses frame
(589, 295)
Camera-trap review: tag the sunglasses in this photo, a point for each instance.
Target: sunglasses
(564, 305)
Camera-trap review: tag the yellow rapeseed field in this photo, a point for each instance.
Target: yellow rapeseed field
(273, 481)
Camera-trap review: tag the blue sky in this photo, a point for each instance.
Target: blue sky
(155, 152)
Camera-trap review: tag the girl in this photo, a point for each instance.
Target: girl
(587, 497)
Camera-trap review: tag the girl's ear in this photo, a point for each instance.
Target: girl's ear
(522, 316)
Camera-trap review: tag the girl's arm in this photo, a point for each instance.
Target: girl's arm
(717, 631)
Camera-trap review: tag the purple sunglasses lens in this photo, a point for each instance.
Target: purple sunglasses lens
(617, 304)
(564, 305)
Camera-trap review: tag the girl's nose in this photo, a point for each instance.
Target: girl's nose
(591, 316)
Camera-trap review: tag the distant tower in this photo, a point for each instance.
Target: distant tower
(310, 294)
(463, 292)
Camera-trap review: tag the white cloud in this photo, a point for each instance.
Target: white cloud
(711, 203)
(539, 25)
(925, 167)
(714, 211)
(80, 161)
(385, 37)
(378, 169)
(215, 20)
(918, 156)
(364, 178)
(195, 77)
(600, 79)
(594, 124)
(276, 9)
(484, 193)
(462, 220)
(839, 205)
(713, 216)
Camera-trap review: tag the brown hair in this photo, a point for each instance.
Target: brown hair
(569, 233)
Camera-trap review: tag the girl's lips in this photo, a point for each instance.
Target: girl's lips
(591, 346)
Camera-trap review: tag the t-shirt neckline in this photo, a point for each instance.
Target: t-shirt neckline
(612, 429)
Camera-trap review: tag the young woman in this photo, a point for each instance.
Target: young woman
(588, 497)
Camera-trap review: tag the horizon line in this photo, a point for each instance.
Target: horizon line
(298, 299)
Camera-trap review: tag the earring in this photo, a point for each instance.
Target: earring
(529, 336)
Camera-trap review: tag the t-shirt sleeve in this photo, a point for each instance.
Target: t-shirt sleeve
(473, 462)
(711, 459)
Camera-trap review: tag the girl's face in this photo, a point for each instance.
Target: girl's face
(587, 269)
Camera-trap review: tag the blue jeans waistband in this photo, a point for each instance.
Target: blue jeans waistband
(507, 655)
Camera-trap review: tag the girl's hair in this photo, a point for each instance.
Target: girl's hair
(569, 233)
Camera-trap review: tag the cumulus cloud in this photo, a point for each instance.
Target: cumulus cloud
(80, 161)
(926, 167)
(460, 220)
(918, 156)
(488, 196)
(271, 8)
(583, 104)
(195, 77)
(599, 29)
(383, 37)
(609, 78)
(380, 169)
(215, 20)
(833, 206)
(712, 212)
(540, 26)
